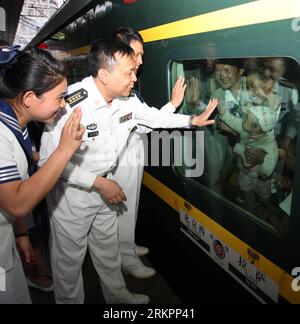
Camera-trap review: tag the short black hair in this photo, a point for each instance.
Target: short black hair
(102, 55)
(127, 35)
(237, 62)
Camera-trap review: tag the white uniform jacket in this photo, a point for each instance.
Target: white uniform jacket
(107, 131)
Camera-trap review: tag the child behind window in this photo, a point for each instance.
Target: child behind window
(255, 131)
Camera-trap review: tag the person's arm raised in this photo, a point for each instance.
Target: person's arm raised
(18, 198)
(178, 92)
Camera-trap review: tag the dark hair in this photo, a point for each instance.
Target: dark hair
(32, 70)
(127, 35)
(102, 55)
(285, 62)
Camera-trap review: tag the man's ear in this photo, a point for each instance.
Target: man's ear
(103, 75)
(28, 98)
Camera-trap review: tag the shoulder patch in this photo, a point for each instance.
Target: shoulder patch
(76, 97)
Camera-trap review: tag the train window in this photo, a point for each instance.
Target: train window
(2, 19)
(250, 152)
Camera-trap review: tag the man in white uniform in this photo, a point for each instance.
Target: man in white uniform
(130, 177)
(84, 205)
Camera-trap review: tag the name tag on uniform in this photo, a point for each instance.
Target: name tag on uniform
(125, 118)
(93, 134)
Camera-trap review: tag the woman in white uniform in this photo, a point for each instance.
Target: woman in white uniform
(130, 177)
(32, 87)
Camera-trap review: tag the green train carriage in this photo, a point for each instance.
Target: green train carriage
(182, 219)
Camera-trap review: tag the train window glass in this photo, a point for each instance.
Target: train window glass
(250, 152)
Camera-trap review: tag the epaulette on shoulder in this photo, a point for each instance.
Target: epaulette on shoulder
(76, 97)
(287, 84)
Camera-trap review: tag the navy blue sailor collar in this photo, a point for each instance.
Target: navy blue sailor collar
(9, 119)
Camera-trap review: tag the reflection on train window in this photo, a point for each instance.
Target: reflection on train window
(250, 152)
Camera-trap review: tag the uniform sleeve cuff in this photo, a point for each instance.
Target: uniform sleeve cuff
(89, 181)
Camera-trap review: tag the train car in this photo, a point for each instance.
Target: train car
(196, 223)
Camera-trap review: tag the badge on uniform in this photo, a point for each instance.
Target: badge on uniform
(125, 118)
(76, 97)
(93, 130)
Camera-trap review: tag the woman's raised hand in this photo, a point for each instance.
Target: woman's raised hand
(71, 136)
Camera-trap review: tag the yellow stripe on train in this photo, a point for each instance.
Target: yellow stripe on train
(283, 279)
(252, 13)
